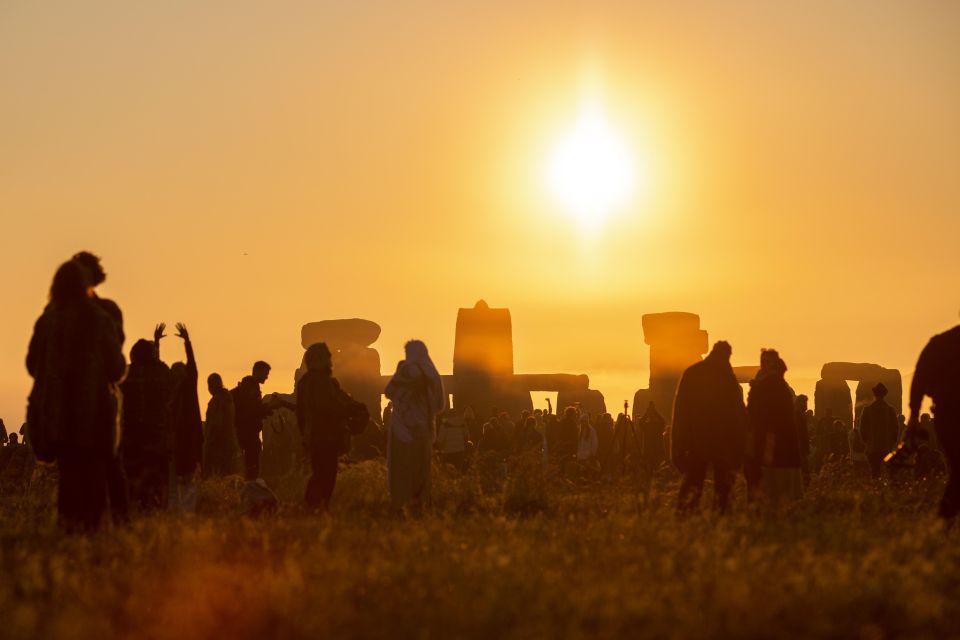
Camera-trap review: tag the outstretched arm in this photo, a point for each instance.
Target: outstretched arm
(158, 335)
(184, 335)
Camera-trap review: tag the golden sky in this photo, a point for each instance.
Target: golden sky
(246, 167)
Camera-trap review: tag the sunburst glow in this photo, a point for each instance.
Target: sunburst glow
(591, 170)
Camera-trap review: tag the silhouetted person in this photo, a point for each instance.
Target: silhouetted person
(651, 430)
(493, 441)
(220, 448)
(509, 430)
(116, 478)
(822, 439)
(322, 411)
(250, 412)
(938, 376)
(16, 466)
(588, 447)
(563, 449)
(146, 447)
(605, 456)
(74, 357)
(417, 394)
(858, 451)
(186, 425)
(452, 440)
(878, 428)
(802, 419)
(774, 449)
(839, 445)
(708, 428)
(528, 437)
(930, 462)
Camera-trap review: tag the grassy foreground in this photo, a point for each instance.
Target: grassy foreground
(525, 559)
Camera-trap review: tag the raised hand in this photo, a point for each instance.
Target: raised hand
(158, 333)
(182, 332)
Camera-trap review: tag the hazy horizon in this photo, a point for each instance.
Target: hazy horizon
(246, 170)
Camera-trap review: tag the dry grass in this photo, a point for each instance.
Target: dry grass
(525, 557)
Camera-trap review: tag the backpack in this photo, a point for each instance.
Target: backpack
(357, 418)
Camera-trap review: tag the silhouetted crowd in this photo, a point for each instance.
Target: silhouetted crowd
(130, 439)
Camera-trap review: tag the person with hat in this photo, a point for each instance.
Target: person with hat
(878, 428)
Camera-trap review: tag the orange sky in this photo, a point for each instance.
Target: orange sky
(248, 167)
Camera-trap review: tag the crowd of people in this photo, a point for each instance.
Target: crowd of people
(131, 439)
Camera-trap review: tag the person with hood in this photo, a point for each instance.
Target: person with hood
(708, 429)
(878, 428)
(74, 357)
(249, 414)
(146, 446)
(322, 412)
(774, 449)
(220, 446)
(186, 425)
(418, 396)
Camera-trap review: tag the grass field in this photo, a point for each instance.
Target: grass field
(533, 557)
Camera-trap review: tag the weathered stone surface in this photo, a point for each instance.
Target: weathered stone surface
(483, 345)
(833, 393)
(746, 373)
(676, 342)
(590, 400)
(340, 333)
(867, 375)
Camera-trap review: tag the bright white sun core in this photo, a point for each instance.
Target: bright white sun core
(591, 171)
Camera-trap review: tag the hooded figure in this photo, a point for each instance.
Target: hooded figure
(775, 454)
(708, 428)
(322, 411)
(418, 396)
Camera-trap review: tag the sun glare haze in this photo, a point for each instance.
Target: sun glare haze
(591, 171)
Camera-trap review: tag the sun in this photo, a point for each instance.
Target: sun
(591, 171)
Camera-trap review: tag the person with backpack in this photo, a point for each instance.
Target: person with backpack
(325, 414)
(74, 357)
